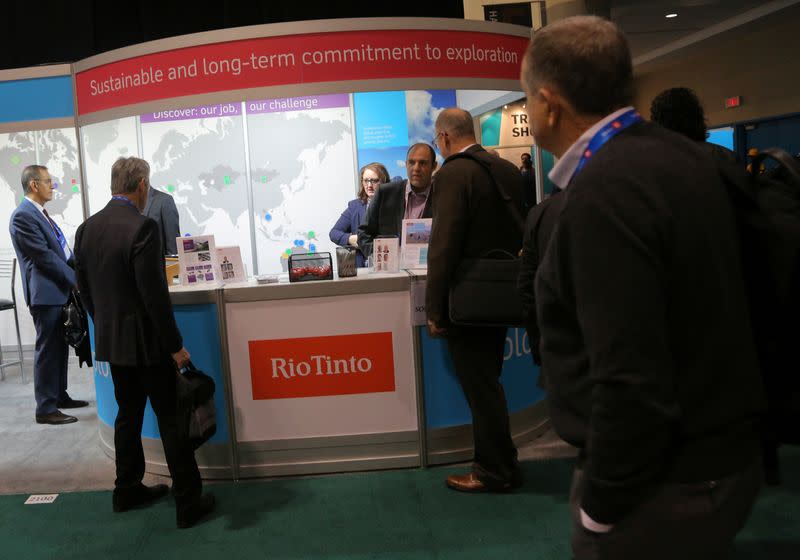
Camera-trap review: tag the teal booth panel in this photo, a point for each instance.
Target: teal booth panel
(200, 329)
(445, 405)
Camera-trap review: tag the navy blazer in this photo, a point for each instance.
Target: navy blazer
(161, 207)
(47, 278)
(347, 225)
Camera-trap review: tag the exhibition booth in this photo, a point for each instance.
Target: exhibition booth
(258, 134)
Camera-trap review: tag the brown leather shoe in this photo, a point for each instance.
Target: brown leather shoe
(466, 483)
(471, 483)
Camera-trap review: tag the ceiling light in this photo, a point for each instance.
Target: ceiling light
(505, 106)
(523, 106)
(670, 16)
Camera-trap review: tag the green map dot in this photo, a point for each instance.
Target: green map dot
(311, 235)
(74, 188)
(227, 180)
(264, 179)
(15, 160)
(288, 252)
(170, 188)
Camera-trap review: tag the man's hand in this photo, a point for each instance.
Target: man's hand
(181, 357)
(353, 240)
(435, 330)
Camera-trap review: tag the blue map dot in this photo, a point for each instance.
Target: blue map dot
(312, 248)
(300, 242)
(268, 217)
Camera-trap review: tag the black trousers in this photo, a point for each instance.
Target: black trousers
(49, 359)
(132, 387)
(687, 521)
(477, 354)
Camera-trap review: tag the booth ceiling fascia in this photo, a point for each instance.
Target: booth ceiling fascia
(295, 90)
(299, 28)
(33, 72)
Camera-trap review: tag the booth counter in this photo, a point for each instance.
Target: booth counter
(328, 376)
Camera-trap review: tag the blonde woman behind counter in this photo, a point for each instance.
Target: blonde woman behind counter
(344, 232)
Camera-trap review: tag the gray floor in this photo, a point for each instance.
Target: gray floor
(45, 459)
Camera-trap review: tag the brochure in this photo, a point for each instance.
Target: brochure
(386, 254)
(416, 236)
(231, 265)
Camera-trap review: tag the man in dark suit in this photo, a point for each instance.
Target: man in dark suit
(646, 342)
(470, 218)
(47, 279)
(400, 200)
(120, 266)
(161, 207)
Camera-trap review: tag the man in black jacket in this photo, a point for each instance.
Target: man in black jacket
(120, 266)
(539, 226)
(646, 341)
(470, 218)
(400, 200)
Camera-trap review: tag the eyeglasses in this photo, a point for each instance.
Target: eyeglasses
(45, 181)
(371, 181)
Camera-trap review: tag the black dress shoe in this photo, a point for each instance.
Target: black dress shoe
(189, 513)
(124, 499)
(73, 403)
(56, 417)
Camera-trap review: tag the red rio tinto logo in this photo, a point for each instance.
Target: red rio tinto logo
(322, 366)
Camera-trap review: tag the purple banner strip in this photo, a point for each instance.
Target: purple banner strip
(307, 103)
(202, 112)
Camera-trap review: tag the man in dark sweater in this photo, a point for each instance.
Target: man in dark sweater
(646, 344)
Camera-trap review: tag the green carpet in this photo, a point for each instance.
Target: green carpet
(392, 515)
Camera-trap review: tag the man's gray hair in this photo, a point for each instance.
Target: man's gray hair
(126, 174)
(586, 59)
(31, 173)
(456, 122)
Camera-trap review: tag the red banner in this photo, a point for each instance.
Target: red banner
(322, 366)
(298, 59)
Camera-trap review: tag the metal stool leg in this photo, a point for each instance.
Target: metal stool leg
(2, 369)
(19, 347)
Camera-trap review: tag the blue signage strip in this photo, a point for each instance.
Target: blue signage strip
(36, 99)
(200, 330)
(445, 405)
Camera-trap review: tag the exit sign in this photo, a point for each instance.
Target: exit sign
(732, 102)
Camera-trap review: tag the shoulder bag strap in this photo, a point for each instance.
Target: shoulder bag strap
(515, 214)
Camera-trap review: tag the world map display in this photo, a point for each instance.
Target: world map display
(297, 153)
(55, 149)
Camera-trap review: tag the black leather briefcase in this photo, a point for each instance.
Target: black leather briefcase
(484, 292)
(196, 409)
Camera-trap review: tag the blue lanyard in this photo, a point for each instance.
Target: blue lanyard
(124, 199)
(605, 134)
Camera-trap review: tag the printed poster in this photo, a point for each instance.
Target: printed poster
(197, 258)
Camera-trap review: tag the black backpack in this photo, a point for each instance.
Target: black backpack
(768, 209)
